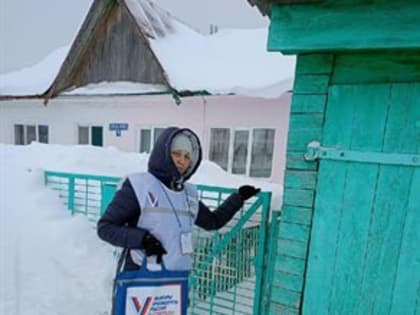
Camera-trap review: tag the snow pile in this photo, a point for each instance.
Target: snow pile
(50, 262)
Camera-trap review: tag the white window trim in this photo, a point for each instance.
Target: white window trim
(230, 151)
(248, 157)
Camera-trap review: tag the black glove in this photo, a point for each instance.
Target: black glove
(153, 247)
(248, 191)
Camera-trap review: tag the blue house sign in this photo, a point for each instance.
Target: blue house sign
(118, 127)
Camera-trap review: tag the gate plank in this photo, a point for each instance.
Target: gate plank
(298, 197)
(296, 161)
(299, 215)
(288, 281)
(370, 105)
(406, 283)
(307, 103)
(311, 83)
(276, 309)
(286, 297)
(290, 265)
(292, 231)
(299, 138)
(406, 297)
(300, 179)
(291, 248)
(384, 233)
(330, 186)
(314, 64)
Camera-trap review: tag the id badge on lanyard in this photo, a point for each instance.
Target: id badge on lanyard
(186, 243)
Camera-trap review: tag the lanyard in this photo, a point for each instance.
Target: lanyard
(173, 208)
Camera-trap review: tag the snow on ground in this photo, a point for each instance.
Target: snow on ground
(50, 262)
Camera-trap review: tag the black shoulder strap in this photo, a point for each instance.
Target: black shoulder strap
(121, 261)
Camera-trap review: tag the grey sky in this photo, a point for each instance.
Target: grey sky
(30, 29)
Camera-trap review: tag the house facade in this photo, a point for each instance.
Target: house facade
(244, 135)
(133, 70)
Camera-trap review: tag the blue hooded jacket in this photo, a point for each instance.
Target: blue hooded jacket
(118, 225)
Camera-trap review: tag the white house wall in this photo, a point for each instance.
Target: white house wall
(64, 114)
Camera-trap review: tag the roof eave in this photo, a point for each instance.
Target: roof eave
(264, 6)
(77, 48)
(8, 97)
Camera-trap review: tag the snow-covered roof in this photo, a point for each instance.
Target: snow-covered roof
(230, 61)
(154, 21)
(34, 80)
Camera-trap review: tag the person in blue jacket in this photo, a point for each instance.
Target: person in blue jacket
(153, 213)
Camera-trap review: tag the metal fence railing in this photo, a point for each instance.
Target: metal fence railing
(227, 274)
(82, 193)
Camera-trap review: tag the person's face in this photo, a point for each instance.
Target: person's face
(182, 160)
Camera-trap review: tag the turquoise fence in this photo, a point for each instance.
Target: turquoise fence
(228, 273)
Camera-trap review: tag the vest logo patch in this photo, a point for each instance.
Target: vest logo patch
(152, 199)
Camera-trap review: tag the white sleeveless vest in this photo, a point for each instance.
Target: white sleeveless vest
(165, 219)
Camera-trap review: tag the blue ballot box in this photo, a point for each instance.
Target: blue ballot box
(147, 292)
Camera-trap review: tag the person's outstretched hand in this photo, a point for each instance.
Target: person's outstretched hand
(247, 192)
(153, 247)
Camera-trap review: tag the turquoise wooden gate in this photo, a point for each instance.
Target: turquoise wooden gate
(363, 255)
(228, 275)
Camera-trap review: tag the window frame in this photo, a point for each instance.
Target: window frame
(90, 126)
(272, 157)
(152, 130)
(25, 132)
(229, 157)
(250, 131)
(232, 147)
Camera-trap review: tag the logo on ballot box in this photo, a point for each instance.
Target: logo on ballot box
(159, 300)
(140, 308)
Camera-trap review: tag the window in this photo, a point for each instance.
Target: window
(219, 146)
(96, 137)
(240, 151)
(19, 134)
(30, 134)
(243, 151)
(90, 135)
(146, 136)
(157, 133)
(262, 152)
(43, 133)
(83, 135)
(25, 134)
